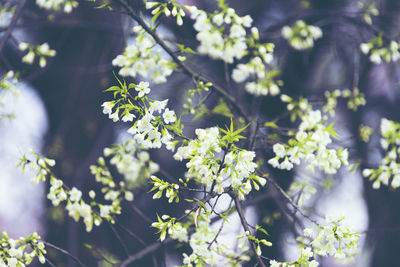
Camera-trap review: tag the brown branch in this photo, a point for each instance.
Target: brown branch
(246, 229)
(142, 253)
(64, 252)
(132, 234)
(13, 23)
(283, 193)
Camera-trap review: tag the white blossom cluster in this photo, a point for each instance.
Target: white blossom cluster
(56, 5)
(167, 9)
(390, 164)
(206, 251)
(369, 10)
(22, 251)
(146, 130)
(204, 165)
(301, 36)
(303, 260)
(134, 164)
(144, 59)
(6, 14)
(171, 190)
(42, 51)
(354, 98)
(334, 239)
(77, 208)
(310, 144)
(222, 35)
(150, 130)
(378, 52)
(8, 86)
(167, 224)
(262, 81)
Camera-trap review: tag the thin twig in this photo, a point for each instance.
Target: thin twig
(64, 252)
(142, 253)
(246, 229)
(283, 193)
(123, 245)
(13, 23)
(132, 234)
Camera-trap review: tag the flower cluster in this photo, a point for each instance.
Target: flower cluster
(171, 190)
(354, 98)
(168, 9)
(368, 10)
(42, 51)
(301, 36)
(203, 164)
(155, 121)
(22, 251)
(144, 59)
(167, 224)
(236, 170)
(310, 143)
(365, 132)
(257, 69)
(7, 87)
(6, 14)
(77, 208)
(132, 162)
(222, 35)
(56, 5)
(333, 240)
(206, 251)
(303, 260)
(390, 164)
(378, 51)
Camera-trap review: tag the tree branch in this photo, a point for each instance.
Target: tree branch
(246, 229)
(13, 23)
(64, 252)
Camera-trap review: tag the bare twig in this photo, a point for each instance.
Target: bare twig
(64, 252)
(142, 253)
(13, 23)
(246, 229)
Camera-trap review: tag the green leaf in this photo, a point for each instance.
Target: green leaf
(201, 204)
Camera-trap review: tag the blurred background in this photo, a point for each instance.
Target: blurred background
(58, 113)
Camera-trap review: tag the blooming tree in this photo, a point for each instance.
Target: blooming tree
(229, 163)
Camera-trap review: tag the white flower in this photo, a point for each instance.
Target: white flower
(143, 89)
(105, 210)
(218, 19)
(44, 48)
(114, 116)
(22, 46)
(158, 106)
(128, 196)
(169, 116)
(375, 58)
(75, 194)
(364, 48)
(286, 165)
(279, 150)
(29, 58)
(107, 107)
(128, 117)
